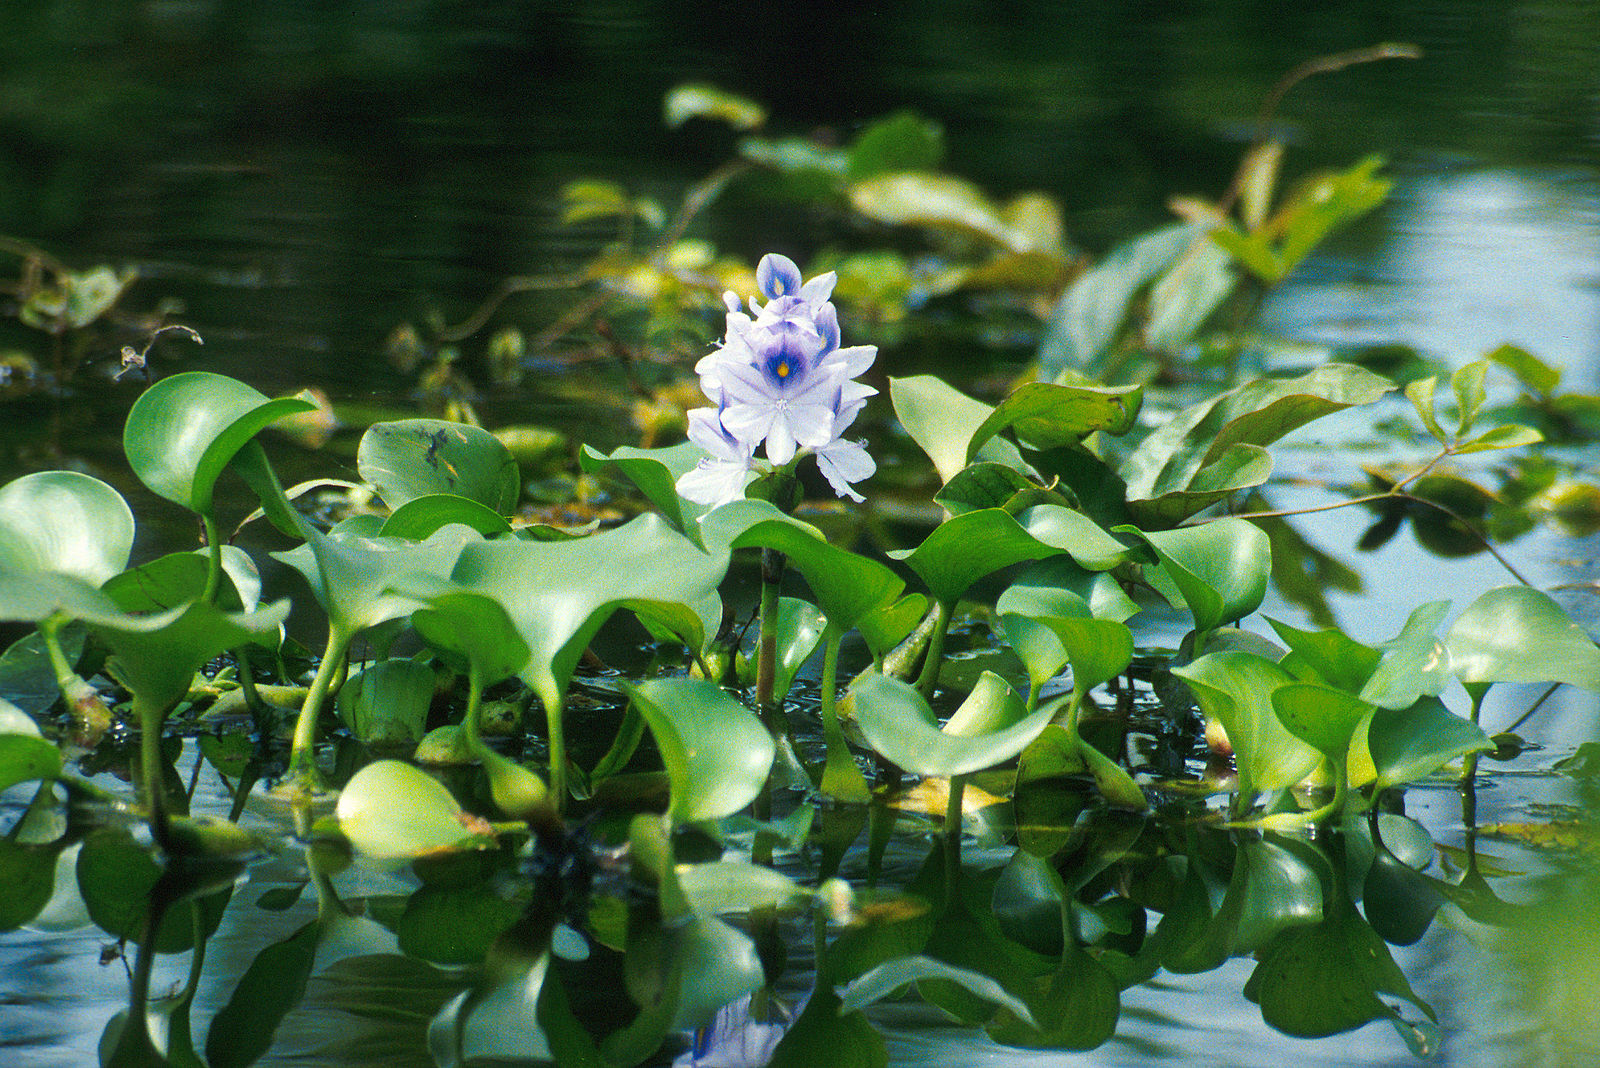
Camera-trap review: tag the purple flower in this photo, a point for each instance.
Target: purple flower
(781, 380)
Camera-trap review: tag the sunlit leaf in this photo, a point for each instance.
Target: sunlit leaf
(65, 522)
(1321, 716)
(1185, 297)
(698, 100)
(898, 723)
(799, 630)
(967, 547)
(846, 585)
(1237, 688)
(1409, 744)
(936, 201)
(392, 811)
(942, 420)
(1075, 534)
(25, 758)
(1468, 385)
(420, 517)
(1220, 569)
(716, 751)
(1517, 634)
(417, 457)
(1045, 415)
(183, 431)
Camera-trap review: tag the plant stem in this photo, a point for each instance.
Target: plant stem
(929, 679)
(213, 559)
(558, 755)
(302, 759)
(772, 565)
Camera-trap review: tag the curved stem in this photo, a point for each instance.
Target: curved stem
(213, 559)
(929, 679)
(772, 565)
(302, 759)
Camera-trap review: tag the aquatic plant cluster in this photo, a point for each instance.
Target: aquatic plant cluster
(1143, 809)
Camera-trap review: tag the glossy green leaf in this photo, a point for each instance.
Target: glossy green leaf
(157, 656)
(1321, 716)
(1468, 385)
(1517, 634)
(1237, 688)
(1040, 582)
(822, 1034)
(559, 593)
(1420, 393)
(1038, 646)
(987, 484)
(1328, 655)
(421, 517)
(1075, 534)
(1414, 663)
(471, 629)
(967, 547)
(354, 576)
(1219, 569)
(497, 1020)
(387, 704)
(655, 472)
(716, 751)
(846, 586)
(936, 201)
(392, 811)
(889, 978)
(897, 722)
(414, 458)
(891, 623)
(183, 431)
(1190, 452)
(1045, 415)
(65, 522)
(1412, 743)
(799, 630)
(1076, 1007)
(1097, 649)
(942, 420)
(117, 876)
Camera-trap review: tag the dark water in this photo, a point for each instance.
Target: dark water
(305, 176)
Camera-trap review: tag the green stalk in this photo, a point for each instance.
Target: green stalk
(772, 565)
(151, 767)
(930, 666)
(841, 779)
(213, 559)
(302, 760)
(558, 756)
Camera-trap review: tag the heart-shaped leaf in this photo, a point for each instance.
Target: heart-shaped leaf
(1410, 744)
(846, 586)
(1517, 634)
(415, 458)
(967, 547)
(1237, 689)
(942, 420)
(65, 522)
(716, 751)
(183, 431)
(1321, 716)
(1219, 569)
(897, 722)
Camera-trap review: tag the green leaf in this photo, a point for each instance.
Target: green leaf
(699, 100)
(822, 1034)
(846, 586)
(889, 978)
(1529, 369)
(737, 886)
(387, 704)
(1509, 436)
(799, 630)
(421, 517)
(1321, 716)
(1237, 689)
(942, 420)
(117, 876)
(1410, 744)
(1420, 394)
(414, 458)
(1467, 384)
(986, 485)
(903, 141)
(1184, 298)
(655, 472)
(936, 201)
(471, 629)
(183, 431)
(454, 925)
(1517, 634)
(716, 751)
(1046, 416)
(392, 811)
(1219, 569)
(274, 983)
(1171, 460)
(891, 623)
(1077, 1007)
(64, 522)
(897, 722)
(28, 872)
(26, 758)
(559, 593)
(1414, 663)
(967, 547)
(1089, 315)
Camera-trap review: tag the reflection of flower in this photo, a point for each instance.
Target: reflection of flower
(733, 1040)
(780, 379)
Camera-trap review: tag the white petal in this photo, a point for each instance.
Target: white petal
(844, 462)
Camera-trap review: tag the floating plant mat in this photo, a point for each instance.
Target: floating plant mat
(555, 792)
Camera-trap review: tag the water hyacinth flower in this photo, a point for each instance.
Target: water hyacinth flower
(780, 380)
